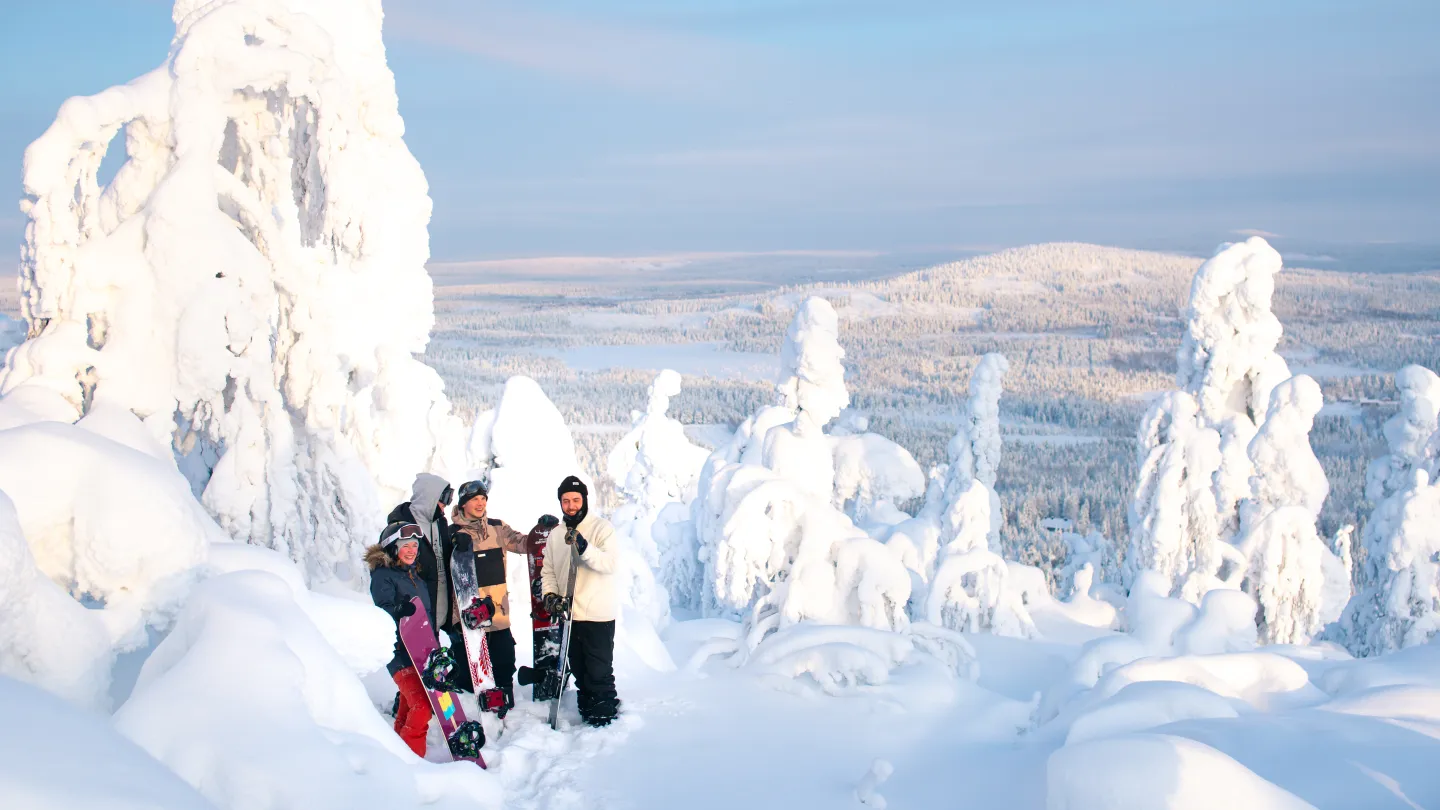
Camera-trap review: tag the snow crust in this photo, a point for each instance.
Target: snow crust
(38, 771)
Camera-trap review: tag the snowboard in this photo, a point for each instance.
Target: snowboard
(465, 737)
(545, 641)
(562, 672)
(475, 616)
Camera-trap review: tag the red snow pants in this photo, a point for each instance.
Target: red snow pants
(413, 717)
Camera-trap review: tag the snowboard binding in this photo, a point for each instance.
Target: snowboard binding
(494, 700)
(438, 674)
(467, 740)
(481, 613)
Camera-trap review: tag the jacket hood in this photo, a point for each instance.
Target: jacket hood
(376, 557)
(424, 494)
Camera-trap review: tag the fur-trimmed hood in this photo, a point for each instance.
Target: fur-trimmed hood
(377, 557)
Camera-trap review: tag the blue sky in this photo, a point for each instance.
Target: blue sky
(640, 126)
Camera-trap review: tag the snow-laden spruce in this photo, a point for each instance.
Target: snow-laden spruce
(655, 469)
(963, 580)
(1194, 466)
(816, 594)
(251, 285)
(1398, 600)
(1299, 583)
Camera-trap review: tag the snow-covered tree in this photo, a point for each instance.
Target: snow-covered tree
(251, 285)
(1197, 438)
(1297, 581)
(1398, 600)
(655, 467)
(776, 551)
(967, 589)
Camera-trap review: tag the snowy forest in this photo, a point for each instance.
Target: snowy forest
(1062, 526)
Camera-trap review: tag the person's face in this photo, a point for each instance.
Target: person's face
(571, 502)
(409, 550)
(475, 507)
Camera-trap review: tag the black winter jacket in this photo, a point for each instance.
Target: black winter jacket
(392, 585)
(426, 559)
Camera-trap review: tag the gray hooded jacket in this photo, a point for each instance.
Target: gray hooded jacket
(424, 495)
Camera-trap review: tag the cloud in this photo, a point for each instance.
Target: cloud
(1256, 232)
(628, 57)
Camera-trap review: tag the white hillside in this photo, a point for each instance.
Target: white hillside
(251, 285)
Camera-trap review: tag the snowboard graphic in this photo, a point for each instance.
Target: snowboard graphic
(435, 666)
(475, 616)
(546, 639)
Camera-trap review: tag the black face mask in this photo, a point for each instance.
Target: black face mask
(571, 521)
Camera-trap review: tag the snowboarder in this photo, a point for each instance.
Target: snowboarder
(473, 531)
(429, 496)
(395, 577)
(589, 539)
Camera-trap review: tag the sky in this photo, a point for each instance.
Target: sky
(635, 127)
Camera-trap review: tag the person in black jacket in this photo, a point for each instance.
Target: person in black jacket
(429, 496)
(395, 579)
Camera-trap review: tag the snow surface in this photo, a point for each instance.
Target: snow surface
(223, 350)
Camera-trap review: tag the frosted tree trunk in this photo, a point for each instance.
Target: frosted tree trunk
(252, 283)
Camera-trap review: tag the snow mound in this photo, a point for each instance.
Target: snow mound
(107, 521)
(1265, 681)
(1156, 772)
(1146, 705)
(246, 701)
(40, 772)
(360, 633)
(47, 638)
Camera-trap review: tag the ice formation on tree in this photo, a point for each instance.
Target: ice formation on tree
(1194, 467)
(872, 476)
(656, 468)
(251, 285)
(776, 551)
(1398, 600)
(1289, 564)
(967, 589)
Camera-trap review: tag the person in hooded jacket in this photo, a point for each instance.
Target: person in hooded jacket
(590, 545)
(429, 496)
(474, 532)
(395, 578)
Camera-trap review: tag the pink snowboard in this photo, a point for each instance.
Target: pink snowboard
(419, 640)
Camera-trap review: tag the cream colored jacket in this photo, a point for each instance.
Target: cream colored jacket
(597, 596)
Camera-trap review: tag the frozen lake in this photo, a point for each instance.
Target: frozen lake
(709, 359)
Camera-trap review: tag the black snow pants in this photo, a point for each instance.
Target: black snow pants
(502, 658)
(592, 659)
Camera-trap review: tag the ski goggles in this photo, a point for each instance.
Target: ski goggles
(447, 495)
(409, 533)
(473, 489)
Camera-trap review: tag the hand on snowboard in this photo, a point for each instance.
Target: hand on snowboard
(555, 604)
(405, 609)
(547, 522)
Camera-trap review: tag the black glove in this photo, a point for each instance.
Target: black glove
(581, 543)
(462, 543)
(548, 522)
(407, 608)
(554, 604)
